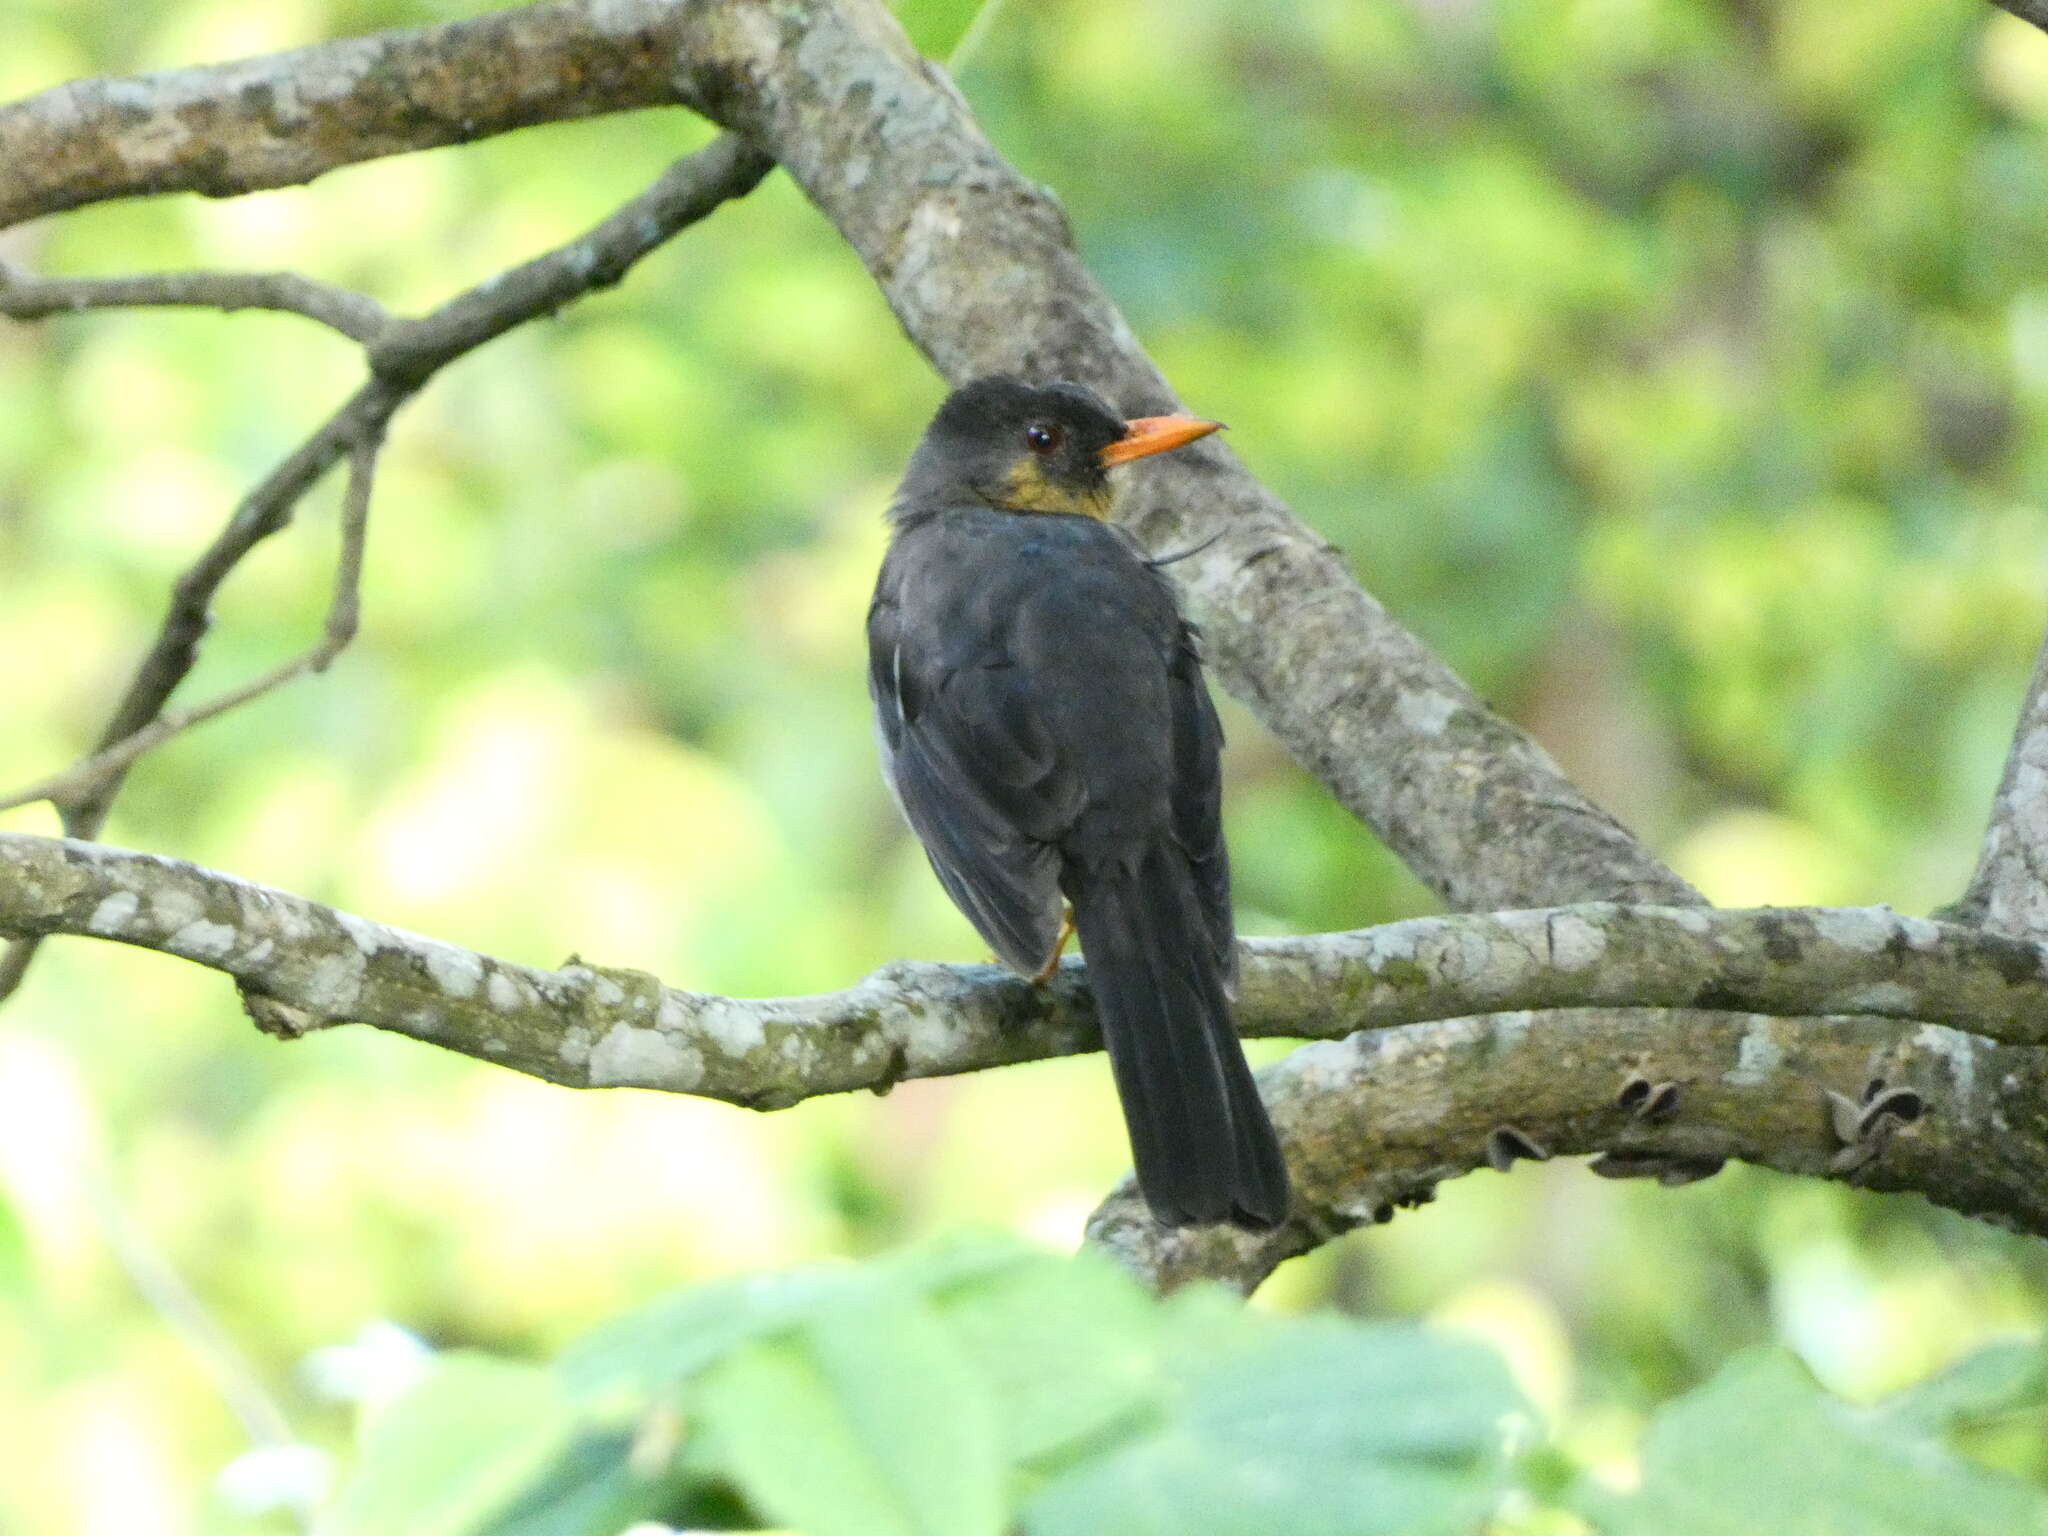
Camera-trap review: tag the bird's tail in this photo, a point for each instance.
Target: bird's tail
(1204, 1148)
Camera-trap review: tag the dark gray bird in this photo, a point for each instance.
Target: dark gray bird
(1045, 728)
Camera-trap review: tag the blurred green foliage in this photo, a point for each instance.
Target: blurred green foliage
(1676, 367)
(981, 1388)
(968, 1390)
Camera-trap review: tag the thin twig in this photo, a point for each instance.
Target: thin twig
(170, 659)
(694, 186)
(171, 1298)
(404, 355)
(84, 793)
(85, 778)
(354, 315)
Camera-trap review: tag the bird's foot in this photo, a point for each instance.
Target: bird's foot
(1046, 971)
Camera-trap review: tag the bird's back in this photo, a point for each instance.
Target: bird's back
(1059, 616)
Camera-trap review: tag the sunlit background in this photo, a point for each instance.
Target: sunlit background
(1675, 367)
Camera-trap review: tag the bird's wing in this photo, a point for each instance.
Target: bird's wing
(978, 780)
(1198, 799)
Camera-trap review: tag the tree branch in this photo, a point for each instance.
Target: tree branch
(280, 120)
(84, 793)
(343, 614)
(687, 191)
(2035, 11)
(2009, 891)
(354, 315)
(1408, 1092)
(1777, 960)
(404, 356)
(980, 267)
(1376, 1122)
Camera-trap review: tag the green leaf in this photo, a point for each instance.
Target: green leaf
(1316, 1428)
(1990, 1383)
(1179, 1485)
(649, 1352)
(1761, 1448)
(960, 1259)
(1322, 1387)
(591, 1489)
(867, 1421)
(455, 1451)
(1069, 1348)
(14, 1262)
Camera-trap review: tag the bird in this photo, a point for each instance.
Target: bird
(1045, 729)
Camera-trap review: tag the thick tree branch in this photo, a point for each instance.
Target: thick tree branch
(226, 129)
(1779, 960)
(1371, 1120)
(1375, 1122)
(2009, 891)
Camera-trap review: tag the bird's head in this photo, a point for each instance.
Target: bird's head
(1032, 448)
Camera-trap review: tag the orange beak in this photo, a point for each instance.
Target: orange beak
(1147, 435)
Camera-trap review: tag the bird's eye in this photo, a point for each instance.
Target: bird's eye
(1042, 438)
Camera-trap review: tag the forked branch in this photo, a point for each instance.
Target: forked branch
(403, 356)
